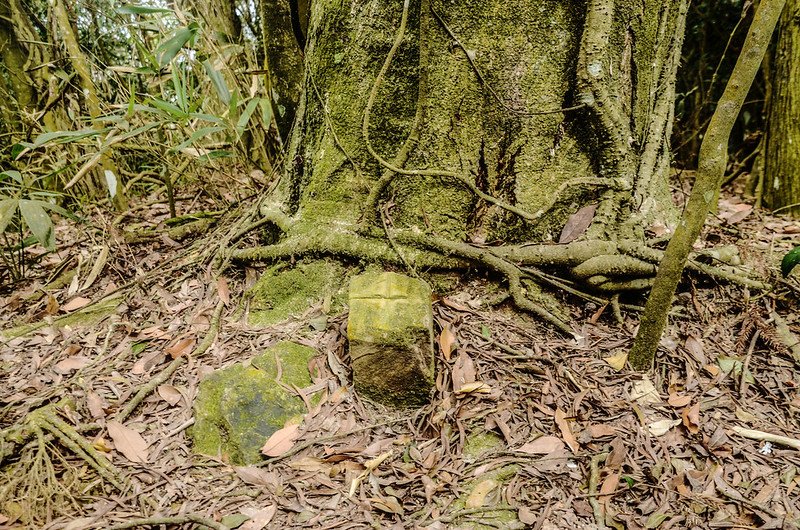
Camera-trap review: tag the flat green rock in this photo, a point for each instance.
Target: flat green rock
(390, 330)
(237, 408)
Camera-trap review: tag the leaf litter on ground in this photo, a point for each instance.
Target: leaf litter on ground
(706, 441)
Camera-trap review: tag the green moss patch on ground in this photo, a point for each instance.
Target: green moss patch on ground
(284, 291)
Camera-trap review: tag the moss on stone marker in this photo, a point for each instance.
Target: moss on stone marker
(239, 407)
(390, 330)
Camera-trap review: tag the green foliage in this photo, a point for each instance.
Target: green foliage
(24, 208)
(715, 33)
(21, 201)
(789, 261)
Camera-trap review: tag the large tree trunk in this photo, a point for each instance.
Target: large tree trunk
(485, 82)
(14, 58)
(781, 186)
(423, 129)
(19, 55)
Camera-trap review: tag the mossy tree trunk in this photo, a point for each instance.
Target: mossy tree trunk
(19, 55)
(424, 128)
(781, 186)
(485, 82)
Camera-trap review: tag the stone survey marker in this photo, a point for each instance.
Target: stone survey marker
(390, 330)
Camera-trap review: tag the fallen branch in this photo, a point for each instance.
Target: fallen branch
(794, 443)
(594, 481)
(176, 520)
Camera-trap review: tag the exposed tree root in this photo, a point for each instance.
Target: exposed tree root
(603, 266)
(34, 483)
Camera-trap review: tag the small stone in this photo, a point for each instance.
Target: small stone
(390, 330)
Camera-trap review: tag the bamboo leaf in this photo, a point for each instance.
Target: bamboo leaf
(14, 175)
(131, 9)
(168, 49)
(64, 136)
(266, 111)
(38, 221)
(218, 81)
(169, 108)
(195, 136)
(245, 117)
(180, 88)
(206, 117)
(7, 209)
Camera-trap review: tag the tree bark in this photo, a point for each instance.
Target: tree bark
(427, 129)
(705, 192)
(479, 102)
(781, 185)
(15, 57)
(284, 63)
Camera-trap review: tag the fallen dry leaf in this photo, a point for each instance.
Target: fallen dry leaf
(97, 268)
(645, 393)
(543, 445)
(617, 362)
(677, 400)
(446, 342)
(618, 454)
(281, 440)
(223, 291)
(144, 364)
(256, 476)
(527, 516)
(695, 349)
(476, 387)
(76, 303)
(259, 519)
(577, 224)
(662, 427)
(51, 308)
(387, 504)
(691, 418)
(96, 405)
(127, 441)
(181, 347)
(101, 444)
(742, 211)
(170, 394)
(599, 430)
(310, 463)
(566, 432)
(463, 371)
(610, 484)
(477, 497)
(72, 363)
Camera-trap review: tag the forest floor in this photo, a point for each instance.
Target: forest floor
(564, 436)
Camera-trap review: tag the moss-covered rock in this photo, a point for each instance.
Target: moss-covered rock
(284, 291)
(391, 338)
(479, 443)
(239, 407)
(484, 490)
